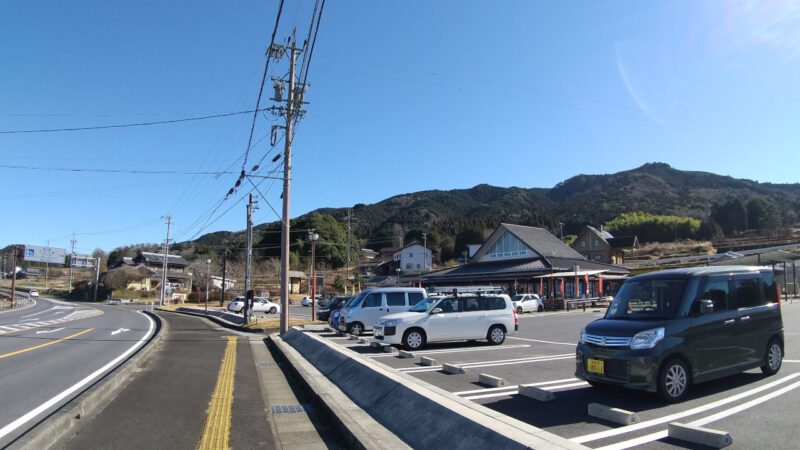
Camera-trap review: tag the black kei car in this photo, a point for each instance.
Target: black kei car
(665, 331)
(323, 312)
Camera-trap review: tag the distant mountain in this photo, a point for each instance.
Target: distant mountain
(462, 214)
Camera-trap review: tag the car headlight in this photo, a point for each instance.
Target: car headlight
(648, 338)
(390, 323)
(583, 336)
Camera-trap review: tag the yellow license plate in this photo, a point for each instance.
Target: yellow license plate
(595, 366)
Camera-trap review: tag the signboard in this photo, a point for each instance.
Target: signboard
(44, 254)
(81, 261)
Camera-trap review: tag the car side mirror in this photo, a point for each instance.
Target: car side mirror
(706, 306)
(436, 311)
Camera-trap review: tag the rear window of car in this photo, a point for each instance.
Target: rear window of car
(415, 297)
(748, 292)
(770, 287)
(493, 303)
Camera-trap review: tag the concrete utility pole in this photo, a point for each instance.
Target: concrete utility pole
(163, 294)
(425, 252)
(224, 273)
(313, 238)
(347, 276)
(292, 106)
(248, 259)
(96, 277)
(46, 268)
(208, 272)
(14, 276)
(71, 262)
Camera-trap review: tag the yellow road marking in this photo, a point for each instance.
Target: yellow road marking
(217, 429)
(44, 345)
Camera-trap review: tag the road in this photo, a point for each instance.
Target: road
(52, 350)
(758, 411)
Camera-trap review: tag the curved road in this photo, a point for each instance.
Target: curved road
(53, 350)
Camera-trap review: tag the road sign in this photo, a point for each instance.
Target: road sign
(51, 255)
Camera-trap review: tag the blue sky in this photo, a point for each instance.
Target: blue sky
(404, 96)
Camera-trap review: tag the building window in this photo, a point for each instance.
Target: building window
(507, 246)
(596, 243)
(408, 266)
(583, 243)
(418, 266)
(597, 257)
(410, 255)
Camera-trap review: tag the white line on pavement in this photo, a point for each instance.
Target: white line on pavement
(792, 360)
(476, 365)
(705, 420)
(543, 342)
(505, 388)
(516, 390)
(49, 331)
(672, 417)
(459, 350)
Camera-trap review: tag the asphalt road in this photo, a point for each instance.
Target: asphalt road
(53, 350)
(758, 411)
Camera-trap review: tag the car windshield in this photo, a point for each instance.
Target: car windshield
(424, 305)
(647, 299)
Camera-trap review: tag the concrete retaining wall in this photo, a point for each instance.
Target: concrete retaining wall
(422, 415)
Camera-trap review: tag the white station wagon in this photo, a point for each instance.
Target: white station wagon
(465, 317)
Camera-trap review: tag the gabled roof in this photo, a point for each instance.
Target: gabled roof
(603, 234)
(539, 240)
(158, 258)
(297, 274)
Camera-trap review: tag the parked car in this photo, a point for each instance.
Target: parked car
(306, 301)
(260, 304)
(363, 310)
(665, 331)
(324, 312)
(468, 317)
(527, 303)
(33, 293)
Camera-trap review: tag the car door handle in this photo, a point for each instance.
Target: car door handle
(745, 318)
(729, 322)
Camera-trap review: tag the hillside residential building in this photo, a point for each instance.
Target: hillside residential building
(532, 260)
(178, 275)
(600, 246)
(413, 257)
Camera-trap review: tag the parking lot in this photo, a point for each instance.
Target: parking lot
(757, 411)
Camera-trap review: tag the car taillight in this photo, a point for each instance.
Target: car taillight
(778, 295)
(515, 317)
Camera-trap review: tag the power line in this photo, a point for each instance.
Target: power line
(127, 125)
(132, 171)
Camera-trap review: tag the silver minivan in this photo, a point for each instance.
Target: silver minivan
(363, 310)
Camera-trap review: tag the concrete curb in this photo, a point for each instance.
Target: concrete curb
(615, 415)
(699, 435)
(63, 422)
(535, 393)
(215, 319)
(395, 399)
(359, 430)
(491, 380)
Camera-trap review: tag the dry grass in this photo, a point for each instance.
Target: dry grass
(658, 250)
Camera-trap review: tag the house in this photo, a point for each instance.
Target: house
(530, 259)
(178, 275)
(368, 254)
(600, 246)
(386, 253)
(413, 257)
(295, 278)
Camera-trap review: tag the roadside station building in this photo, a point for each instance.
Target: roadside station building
(532, 260)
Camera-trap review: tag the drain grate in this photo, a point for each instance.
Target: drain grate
(287, 409)
(268, 364)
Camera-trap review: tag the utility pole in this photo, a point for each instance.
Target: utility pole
(14, 276)
(347, 276)
(46, 268)
(163, 295)
(71, 262)
(208, 272)
(248, 260)
(313, 238)
(291, 110)
(96, 277)
(224, 273)
(425, 252)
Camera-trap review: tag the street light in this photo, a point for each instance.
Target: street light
(398, 276)
(313, 237)
(208, 271)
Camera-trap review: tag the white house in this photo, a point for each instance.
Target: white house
(413, 257)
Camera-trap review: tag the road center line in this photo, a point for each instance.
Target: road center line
(44, 345)
(217, 430)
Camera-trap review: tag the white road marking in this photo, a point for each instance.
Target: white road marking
(543, 342)
(460, 350)
(705, 420)
(121, 330)
(516, 390)
(40, 312)
(476, 365)
(49, 331)
(792, 360)
(679, 415)
(30, 415)
(505, 388)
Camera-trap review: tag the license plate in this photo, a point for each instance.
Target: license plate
(595, 366)
(377, 331)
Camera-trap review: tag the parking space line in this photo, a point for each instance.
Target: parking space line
(672, 417)
(705, 420)
(460, 350)
(502, 388)
(516, 390)
(543, 342)
(792, 360)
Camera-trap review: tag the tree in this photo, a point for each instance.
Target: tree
(731, 216)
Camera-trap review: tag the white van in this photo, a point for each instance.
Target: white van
(467, 317)
(363, 310)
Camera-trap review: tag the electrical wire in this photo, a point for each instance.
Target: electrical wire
(128, 125)
(131, 171)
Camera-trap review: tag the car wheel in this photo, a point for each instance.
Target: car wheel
(540, 308)
(673, 380)
(519, 309)
(414, 339)
(273, 310)
(496, 335)
(773, 358)
(356, 329)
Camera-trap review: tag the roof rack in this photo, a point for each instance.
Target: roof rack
(455, 290)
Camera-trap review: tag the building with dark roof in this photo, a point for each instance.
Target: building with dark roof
(530, 259)
(600, 246)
